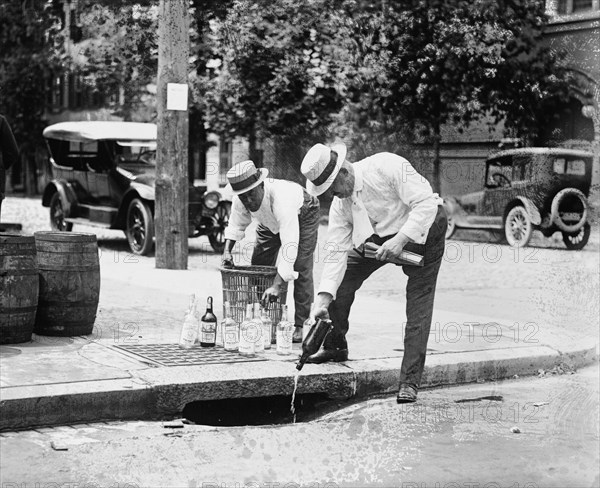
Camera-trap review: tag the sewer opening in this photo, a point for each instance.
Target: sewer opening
(256, 411)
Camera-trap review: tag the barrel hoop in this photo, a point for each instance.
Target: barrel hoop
(21, 251)
(18, 309)
(70, 268)
(18, 272)
(79, 303)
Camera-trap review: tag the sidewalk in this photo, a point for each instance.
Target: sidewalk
(83, 379)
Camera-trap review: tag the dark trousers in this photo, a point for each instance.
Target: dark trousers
(420, 293)
(268, 245)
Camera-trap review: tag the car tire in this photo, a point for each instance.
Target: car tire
(217, 238)
(139, 227)
(518, 227)
(57, 215)
(558, 201)
(577, 241)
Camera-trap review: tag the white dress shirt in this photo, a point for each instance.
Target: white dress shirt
(396, 199)
(278, 212)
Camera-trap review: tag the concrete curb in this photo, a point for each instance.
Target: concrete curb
(163, 392)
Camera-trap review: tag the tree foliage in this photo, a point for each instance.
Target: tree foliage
(119, 54)
(31, 52)
(282, 72)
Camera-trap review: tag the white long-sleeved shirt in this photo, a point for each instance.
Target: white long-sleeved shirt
(278, 212)
(396, 198)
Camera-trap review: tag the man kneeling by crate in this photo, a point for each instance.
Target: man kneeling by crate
(288, 221)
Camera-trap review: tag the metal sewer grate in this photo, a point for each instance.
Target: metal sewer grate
(172, 355)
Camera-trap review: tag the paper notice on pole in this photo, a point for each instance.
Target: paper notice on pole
(177, 96)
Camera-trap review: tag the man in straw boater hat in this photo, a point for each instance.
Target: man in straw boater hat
(382, 200)
(288, 222)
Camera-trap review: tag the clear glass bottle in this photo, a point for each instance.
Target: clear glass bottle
(259, 345)
(189, 329)
(246, 340)
(285, 331)
(208, 326)
(230, 330)
(267, 326)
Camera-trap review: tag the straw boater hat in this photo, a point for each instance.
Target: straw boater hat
(321, 165)
(245, 175)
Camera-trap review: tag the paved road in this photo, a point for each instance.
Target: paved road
(526, 433)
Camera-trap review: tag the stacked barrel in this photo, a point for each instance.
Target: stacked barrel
(49, 284)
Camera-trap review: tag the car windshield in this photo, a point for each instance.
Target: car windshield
(136, 154)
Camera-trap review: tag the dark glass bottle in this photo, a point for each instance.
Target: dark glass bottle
(208, 326)
(314, 340)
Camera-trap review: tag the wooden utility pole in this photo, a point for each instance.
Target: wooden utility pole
(171, 210)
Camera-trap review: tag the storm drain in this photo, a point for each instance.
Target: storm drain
(172, 355)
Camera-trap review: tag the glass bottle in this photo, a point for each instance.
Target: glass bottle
(259, 345)
(189, 329)
(208, 326)
(308, 323)
(285, 331)
(314, 340)
(267, 326)
(246, 341)
(230, 330)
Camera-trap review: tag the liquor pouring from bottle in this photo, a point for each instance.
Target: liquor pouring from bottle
(314, 340)
(208, 325)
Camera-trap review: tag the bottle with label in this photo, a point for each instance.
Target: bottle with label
(285, 331)
(267, 326)
(259, 346)
(189, 329)
(230, 330)
(208, 326)
(308, 323)
(246, 341)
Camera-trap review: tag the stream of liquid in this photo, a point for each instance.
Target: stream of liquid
(292, 407)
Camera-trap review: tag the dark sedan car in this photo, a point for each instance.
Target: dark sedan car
(526, 189)
(103, 175)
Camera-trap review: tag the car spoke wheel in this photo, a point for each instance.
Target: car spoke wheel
(577, 241)
(217, 238)
(518, 227)
(57, 215)
(140, 227)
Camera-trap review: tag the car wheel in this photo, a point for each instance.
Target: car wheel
(139, 227)
(217, 238)
(518, 227)
(578, 240)
(57, 215)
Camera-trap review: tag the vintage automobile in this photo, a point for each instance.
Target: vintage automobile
(103, 175)
(526, 189)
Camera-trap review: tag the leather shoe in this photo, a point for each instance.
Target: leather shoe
(407, 393)
(297, 337)
(324, 355)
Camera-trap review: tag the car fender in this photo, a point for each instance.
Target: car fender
(530, 208)
(66, 192)
(144, 191)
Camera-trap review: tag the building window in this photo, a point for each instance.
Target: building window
(566, 7)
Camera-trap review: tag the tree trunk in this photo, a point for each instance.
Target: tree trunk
(171, 209)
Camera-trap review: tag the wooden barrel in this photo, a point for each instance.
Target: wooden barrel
(18, 288)
(69, 271)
